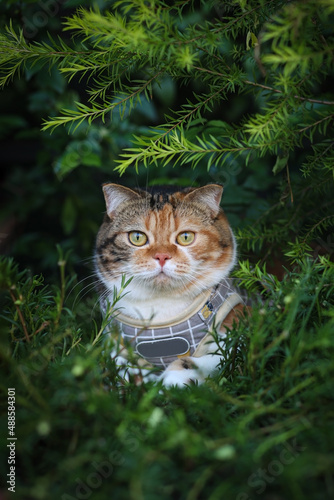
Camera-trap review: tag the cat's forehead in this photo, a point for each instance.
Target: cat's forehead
(126, 206)
(156, 197)
(164, 206)
(160, 212)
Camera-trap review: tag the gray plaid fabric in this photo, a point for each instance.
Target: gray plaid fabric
(161, 346)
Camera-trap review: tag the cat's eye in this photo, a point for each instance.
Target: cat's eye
(185, 238)
(137, 238)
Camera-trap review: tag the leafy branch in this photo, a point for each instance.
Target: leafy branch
(16, 53)
(84, 112)
(178, 148)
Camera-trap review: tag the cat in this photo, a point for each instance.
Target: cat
(179, 249)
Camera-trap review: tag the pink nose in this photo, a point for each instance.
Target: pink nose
(162, 258)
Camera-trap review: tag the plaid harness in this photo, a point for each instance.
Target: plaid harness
(162, 344)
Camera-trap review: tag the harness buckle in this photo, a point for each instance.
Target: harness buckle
(206, 312)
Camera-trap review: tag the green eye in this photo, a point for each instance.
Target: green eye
(137, 238)
(185, 238)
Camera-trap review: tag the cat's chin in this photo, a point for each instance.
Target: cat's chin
(163, 283)
(171, 283)
(159, 277)
(162, 278)
(159, 284)
(167, 287)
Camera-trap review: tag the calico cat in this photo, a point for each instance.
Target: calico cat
(179, 249)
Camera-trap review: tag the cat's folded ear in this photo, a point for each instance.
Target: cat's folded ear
(115, 195)
(209, 196)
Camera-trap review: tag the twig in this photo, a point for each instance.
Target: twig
(266, 87)
(19, 312)
(316, 123)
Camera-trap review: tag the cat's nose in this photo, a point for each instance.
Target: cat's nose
(162, 258)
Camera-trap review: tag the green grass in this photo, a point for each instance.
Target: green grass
(262, 428)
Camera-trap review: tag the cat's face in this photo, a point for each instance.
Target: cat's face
(169, 243)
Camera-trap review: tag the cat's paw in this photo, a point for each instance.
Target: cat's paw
(182, 372)
(189, 370)
(180, 379)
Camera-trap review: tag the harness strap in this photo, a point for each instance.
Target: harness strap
(204, 345)
(229, 304)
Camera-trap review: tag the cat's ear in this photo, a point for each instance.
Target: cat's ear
(115, 195)
(209, 196)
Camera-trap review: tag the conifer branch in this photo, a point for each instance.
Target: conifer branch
(315, 124)
(266, 87)
(96, 111)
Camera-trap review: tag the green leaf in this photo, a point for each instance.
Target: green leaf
(281, 162)
(251, 40)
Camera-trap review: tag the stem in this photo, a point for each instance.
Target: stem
(266, 87)
(19, 312)
(41, 328)
(316, 123)
(60, 302)
(313, 228)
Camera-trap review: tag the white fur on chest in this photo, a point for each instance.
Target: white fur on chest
(158, 309)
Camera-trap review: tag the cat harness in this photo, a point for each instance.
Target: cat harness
(160, 344)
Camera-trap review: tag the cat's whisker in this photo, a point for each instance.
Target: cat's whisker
(194, 283)
(87, 260)
(85, 291)
(99, 301)
(94, 275)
